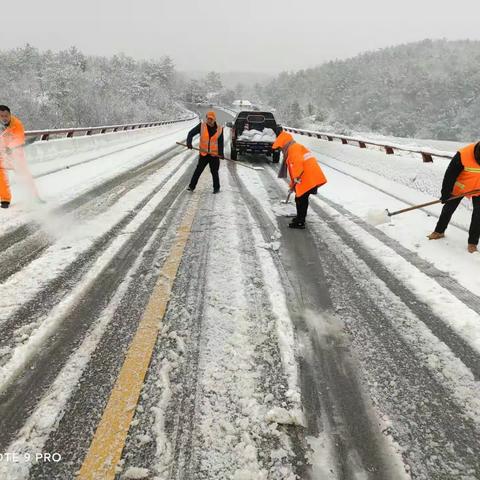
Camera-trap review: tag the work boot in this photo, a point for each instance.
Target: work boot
(5, 204)
(297, 224)
(216, 190)
(472, 248)
(435, 236)
(190, 189)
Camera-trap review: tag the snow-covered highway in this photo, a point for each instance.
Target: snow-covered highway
(150, 332)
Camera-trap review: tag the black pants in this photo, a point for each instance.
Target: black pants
(214, 163)
(302, 204)
(446, 215)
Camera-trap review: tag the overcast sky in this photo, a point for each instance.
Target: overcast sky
(248, 35)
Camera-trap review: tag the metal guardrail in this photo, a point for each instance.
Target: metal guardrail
(390, 148)
(77, 132)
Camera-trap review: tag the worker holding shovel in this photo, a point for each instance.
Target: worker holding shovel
(462, 178)
(12, 156)
(211, 149)
(304, 171)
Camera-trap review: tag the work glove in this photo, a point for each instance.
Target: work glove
(297, 180)
(189, 146)
(444, 198)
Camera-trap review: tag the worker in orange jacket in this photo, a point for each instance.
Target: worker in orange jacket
(304, 171)
(211, 149)
(461, 176)
(12, 155)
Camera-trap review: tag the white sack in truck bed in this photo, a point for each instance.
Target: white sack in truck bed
(268, 135)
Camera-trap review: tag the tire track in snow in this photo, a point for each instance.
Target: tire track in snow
(161, 436)
(333, 407)
(462, 349)
(220, 402)
(435, 412)
(26, 243)
(40, 366)
(68, 268)
(72, 438)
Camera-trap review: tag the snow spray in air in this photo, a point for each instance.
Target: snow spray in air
(377, 217)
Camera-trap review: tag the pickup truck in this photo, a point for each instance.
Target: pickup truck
(254, 132)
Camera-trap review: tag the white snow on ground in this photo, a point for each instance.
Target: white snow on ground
(228, 365)
(437, 356)
(234, 412)
(73, 239)
(322, 324)
(409, 229)
(285, 332)
(34, 276)
(44, 157)
(229, 379)
(32, 437)
(453, 259)
(58, 188)
(411, 143)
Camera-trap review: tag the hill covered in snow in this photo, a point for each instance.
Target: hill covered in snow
(68, 89)
(427, 89)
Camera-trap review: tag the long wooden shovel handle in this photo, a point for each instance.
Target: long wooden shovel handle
(434, 202)
(224, 158)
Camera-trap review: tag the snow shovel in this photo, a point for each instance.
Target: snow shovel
(291, 190)
(224, 158)
(391, 214)
(288, 197)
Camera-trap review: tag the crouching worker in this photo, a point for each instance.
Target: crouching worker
(462, 176)
(304, 171)
(12, 156)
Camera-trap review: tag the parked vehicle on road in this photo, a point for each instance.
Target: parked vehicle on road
(254, 133)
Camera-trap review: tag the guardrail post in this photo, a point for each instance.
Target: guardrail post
(329, 138)
(388, 150)
(427, 158)
(362, 144)
(70, 134)
(45, 136)
(344, 141)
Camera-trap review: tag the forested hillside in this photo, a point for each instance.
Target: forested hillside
(428, 89)
(68, 88)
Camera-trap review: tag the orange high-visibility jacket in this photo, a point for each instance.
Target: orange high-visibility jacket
(303, 165)
(207, 143)
(14, 134)
(469, 178)
(13, 137)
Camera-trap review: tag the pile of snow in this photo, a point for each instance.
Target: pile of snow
(268, 135)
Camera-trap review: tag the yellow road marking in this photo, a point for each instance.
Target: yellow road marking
(109, 440)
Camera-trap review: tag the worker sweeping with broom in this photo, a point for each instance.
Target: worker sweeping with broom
(304, 171)
(462, 178)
